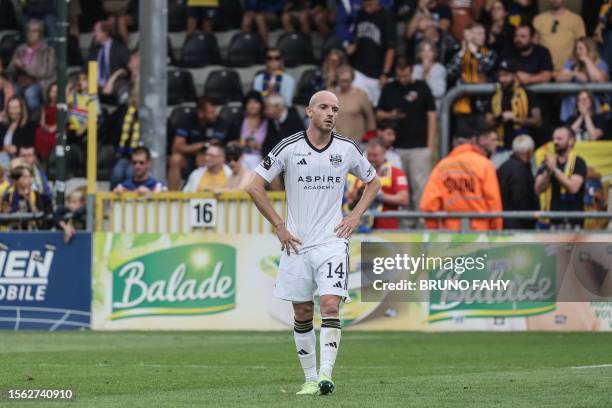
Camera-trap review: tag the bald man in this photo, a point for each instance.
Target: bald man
(314, 240)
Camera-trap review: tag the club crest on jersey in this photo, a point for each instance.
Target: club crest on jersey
(335, 159)
(267, 162)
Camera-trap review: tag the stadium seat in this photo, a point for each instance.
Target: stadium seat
(177, 15)
(181, 117)
(8, 44)
(296, 49)
(231, 114)
(199, 50)
(245, 49)
(306, 86)
(181, 87)
(223, 86)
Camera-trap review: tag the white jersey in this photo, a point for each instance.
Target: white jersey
(314, 183)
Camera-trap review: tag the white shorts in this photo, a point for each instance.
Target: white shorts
(324, 267)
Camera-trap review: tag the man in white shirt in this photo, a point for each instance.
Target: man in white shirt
(314, 241)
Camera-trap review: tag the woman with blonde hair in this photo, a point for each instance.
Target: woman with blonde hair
(584, 66)
(429, 69)
(587, 124)
(334, 59)
(17, 131)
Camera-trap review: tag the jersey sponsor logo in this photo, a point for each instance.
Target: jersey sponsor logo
(319, 182)
(335, 159)
(302, 162)
(301, 154)
(267, 162)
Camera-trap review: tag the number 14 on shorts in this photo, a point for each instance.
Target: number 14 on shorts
(337, 272)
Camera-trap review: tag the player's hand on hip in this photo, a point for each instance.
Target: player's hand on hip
(288, 241)
(347, 226)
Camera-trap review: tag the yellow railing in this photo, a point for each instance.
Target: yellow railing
(170, 212)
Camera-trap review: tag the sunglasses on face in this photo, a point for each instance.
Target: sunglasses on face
(138, 162)
(232, 158)
(273, 57)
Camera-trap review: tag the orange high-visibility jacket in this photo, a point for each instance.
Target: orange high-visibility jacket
(464, 181)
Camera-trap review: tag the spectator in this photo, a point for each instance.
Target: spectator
(411, 104)
(6, 92)
(72, 216)
(429, 70)
(214, 175)
(241, 176)
(464, 181)
(446, 45)
(20, 198)
(17, 131)
(42, 10)
(394, 192)
(192, 137)
(305, 12)
(513, 109)
(560, 178)
(534, 63)
(334, 59)
(45, 139)
(500, 31)
(118, 17)
(387, 135)
(464, 13)
(471, 65)
(74, 13)
(254, 129)
(557, 30)
(516, 183)
(39, 178)
(586, 124)
(122, 80)
(78, 109)
(263, 13)
(373, 49)
(33, 66)
(584, 66)
(440, 13)
(356, 116)
(282, 122)
(274, 79)
(126, 137)
(201, 13)
(520, 12)
(111, 55)
(141, 181)
(603, 31)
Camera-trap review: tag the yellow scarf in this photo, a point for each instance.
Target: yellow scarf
(519, 105)
(128, 130)
(546, 196)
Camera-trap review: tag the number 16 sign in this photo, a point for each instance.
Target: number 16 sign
(203, 212)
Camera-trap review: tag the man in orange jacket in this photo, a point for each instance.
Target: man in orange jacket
(464, 181)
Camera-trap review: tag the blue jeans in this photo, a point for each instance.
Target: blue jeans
(32, 95)
(121, 171)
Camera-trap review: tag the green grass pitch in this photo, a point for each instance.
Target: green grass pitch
(218, 369)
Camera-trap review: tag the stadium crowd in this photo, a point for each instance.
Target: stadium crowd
(389, 63)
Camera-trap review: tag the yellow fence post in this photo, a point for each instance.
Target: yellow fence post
(92, 141)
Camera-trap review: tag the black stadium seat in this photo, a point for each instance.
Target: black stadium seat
(223, 86)
(182, 116)
(306, 86)
(245, 49)
(231, 115)
(181, 87)
(8, 45)
(177, 15)
(199, 50)
(296, 49)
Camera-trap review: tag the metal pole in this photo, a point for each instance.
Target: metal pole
(153, 21)
(61, 53)
(92, 141)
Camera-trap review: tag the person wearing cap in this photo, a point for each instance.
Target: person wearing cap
(513, 109)
(464, 181)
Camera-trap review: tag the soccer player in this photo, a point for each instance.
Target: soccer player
(314, 240)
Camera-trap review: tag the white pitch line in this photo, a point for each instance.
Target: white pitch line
(592, 366)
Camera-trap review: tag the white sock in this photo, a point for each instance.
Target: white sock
(306, 346)
(330, 342)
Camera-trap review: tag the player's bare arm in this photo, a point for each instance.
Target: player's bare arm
(257, 191)
(350, 222)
